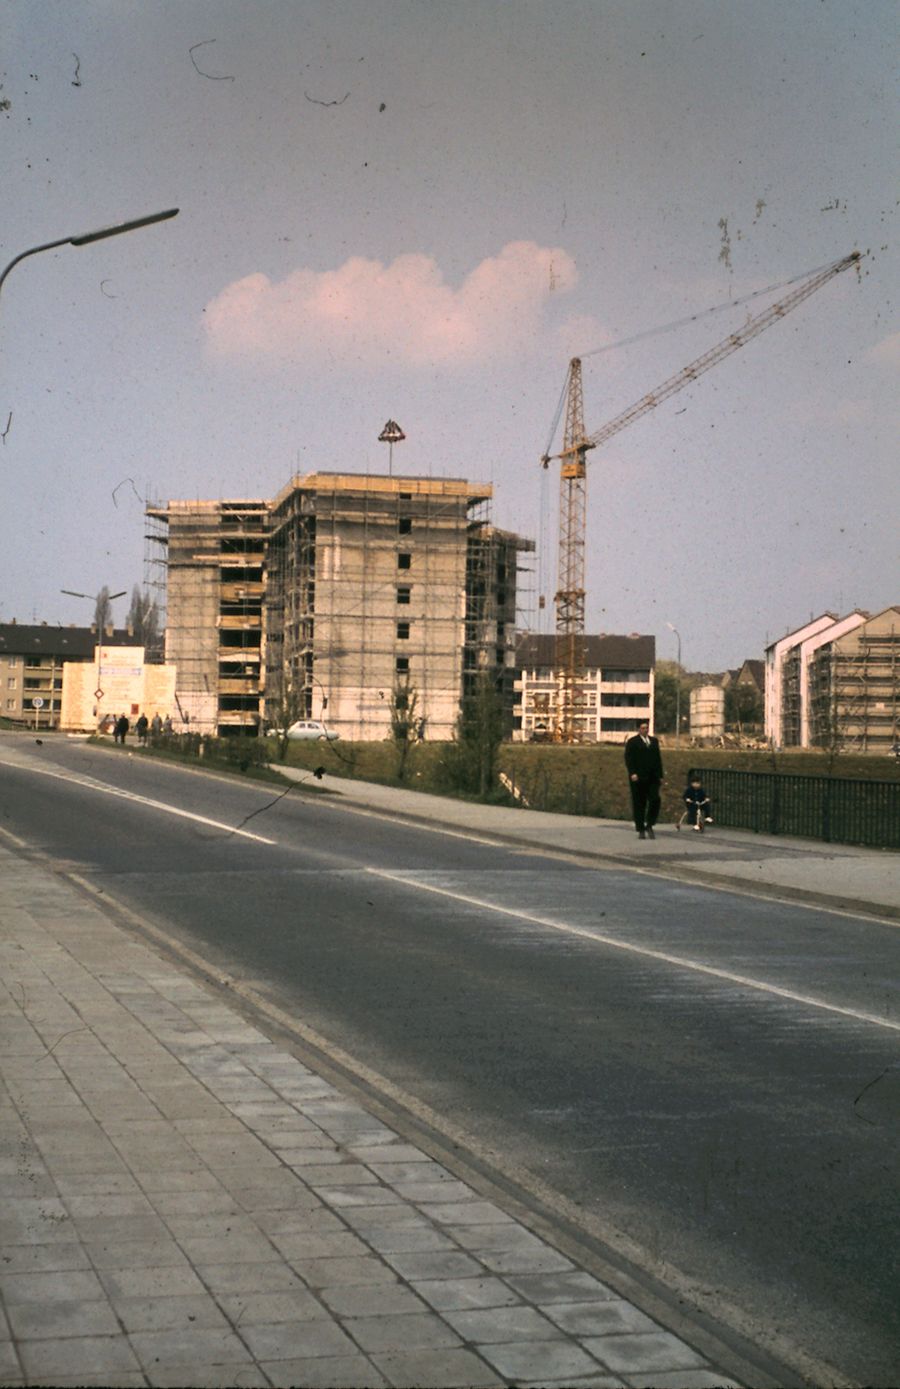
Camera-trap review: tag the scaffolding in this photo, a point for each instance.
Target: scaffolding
(155, 587)
(854, 688)
(339, 599)
(213, 556)
(368, 600)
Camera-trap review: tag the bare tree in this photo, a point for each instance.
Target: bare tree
(103, 613)
(404, 698)
(284, 710)
(143, 618)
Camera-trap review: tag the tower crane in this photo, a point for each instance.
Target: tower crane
(569, 598)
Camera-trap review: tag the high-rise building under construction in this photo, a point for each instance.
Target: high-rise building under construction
(345, 598)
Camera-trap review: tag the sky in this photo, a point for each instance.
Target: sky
(419, 211)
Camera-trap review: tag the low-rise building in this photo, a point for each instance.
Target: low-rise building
(32, 658)
(616, 697)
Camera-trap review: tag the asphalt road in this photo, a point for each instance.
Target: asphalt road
(713, 1081)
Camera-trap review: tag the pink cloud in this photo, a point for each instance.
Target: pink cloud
(365, 311)
(887, 352)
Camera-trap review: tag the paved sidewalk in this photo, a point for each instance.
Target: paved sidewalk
(837, 875)
(184, 1203)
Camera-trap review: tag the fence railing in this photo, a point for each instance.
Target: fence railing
(838, 810)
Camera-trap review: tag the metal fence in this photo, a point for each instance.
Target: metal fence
(817, 807)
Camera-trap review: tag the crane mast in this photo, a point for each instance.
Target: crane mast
(570, 593)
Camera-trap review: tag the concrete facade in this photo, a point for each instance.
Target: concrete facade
(383, 589)
(342, 596)
(215, 568)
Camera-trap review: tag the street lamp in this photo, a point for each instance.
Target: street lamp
(87, 237)
(677, 685)
(391, 434)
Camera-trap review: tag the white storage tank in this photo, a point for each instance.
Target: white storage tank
(707, 711)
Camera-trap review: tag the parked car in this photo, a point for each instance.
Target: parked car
(313, 729)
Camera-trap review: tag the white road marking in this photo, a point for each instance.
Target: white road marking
(105, 789)
(598, 937)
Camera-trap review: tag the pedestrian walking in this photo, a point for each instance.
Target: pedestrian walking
(141, 729)
(156, 725)
(698, 806)
(643, 762)
(122, 727)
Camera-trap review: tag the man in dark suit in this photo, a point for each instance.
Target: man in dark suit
(645, 771)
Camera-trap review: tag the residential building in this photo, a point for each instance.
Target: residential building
(383, 589)
(854, 686)
(616, 697)
(836, 683)
(782, 720)
(31, 667)
(342, 596)
(214, 554)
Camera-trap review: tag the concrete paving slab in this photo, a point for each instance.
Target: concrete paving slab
(297, 1340)
(329, 1273)
(225, 1265)
(164, 1313)
(81, 1285)
(151, 1281)
(267, 1309)
(643, 1352)
(325, 1372)
(391, 1299)
(421, 1331)
(539, 1360)
(439, 1369)
(39, 1321)
(108, 1356)
(465, 1294)
(501, 1324)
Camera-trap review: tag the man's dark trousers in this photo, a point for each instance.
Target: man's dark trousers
(644, 764)
(645, 802)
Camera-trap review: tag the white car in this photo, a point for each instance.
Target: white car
(312, 729)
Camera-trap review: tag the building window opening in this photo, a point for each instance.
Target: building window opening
(404, 560)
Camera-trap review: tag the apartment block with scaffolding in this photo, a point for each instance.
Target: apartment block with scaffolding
(213, 555)
(386, 594)
(835, 683)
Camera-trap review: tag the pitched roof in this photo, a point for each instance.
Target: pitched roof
(76, 643)
(534, 649)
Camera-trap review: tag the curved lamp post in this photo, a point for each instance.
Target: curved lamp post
(87, 237)
(677, 687)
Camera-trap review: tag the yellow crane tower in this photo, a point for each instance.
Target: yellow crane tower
(569, 598)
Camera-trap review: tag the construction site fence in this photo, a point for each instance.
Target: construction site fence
(837, 810)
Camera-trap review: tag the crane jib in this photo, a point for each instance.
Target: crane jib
(570, 593)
